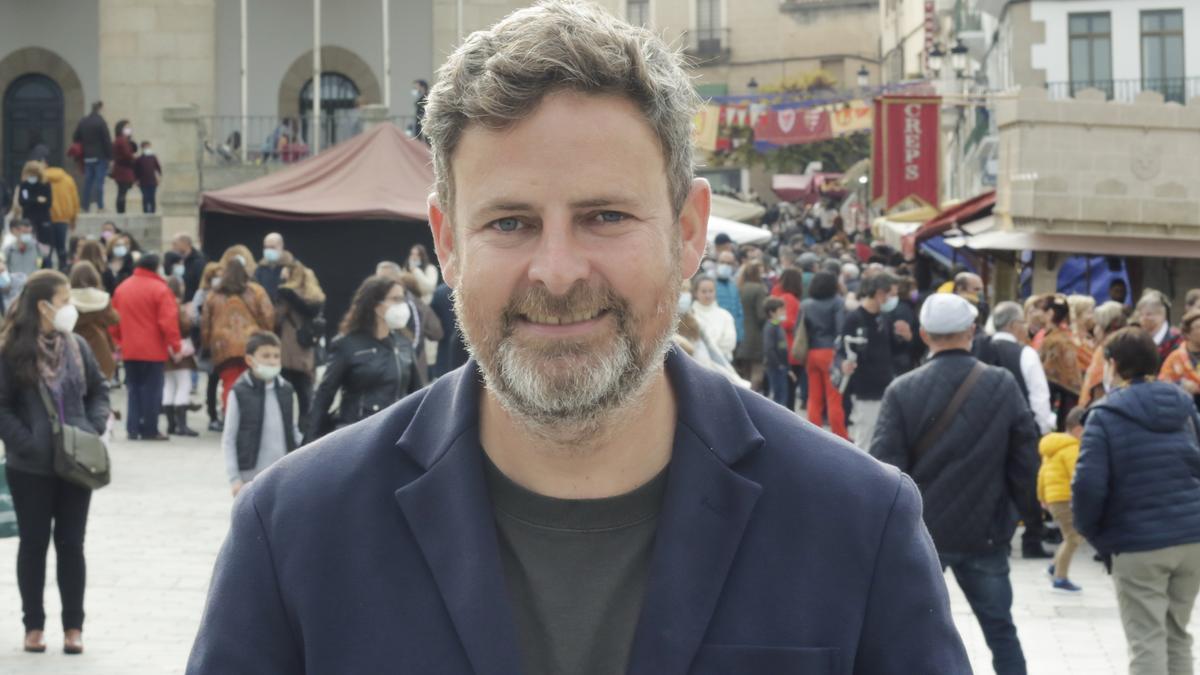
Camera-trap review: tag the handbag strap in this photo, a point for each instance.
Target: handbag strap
(51, 409)
(943, 421)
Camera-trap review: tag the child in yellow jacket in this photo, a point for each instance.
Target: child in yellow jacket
(1059, 453)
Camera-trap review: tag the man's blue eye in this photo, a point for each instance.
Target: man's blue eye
(507, 224)
(612, 216)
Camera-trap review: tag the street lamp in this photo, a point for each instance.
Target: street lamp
(864, 77)
(958, 58)
(935, 59)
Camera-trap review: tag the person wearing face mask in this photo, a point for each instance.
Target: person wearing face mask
(96, 315)
(124, 160)
(148, 172)
(371, 362)
(271, 266)
(1136, 498)
(177, 384)
(728, 296)
(120, 262)
(21, 257)
(39, 356)
(875, 340)
(36, 199)
(260, 424)
(234, 310)
(210, 278)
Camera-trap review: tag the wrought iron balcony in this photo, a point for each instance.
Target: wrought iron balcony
(1177, 89)
(708, 45)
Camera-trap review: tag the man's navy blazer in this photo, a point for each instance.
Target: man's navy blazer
(780, 549)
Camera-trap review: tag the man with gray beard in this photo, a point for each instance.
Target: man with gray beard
(577, 498)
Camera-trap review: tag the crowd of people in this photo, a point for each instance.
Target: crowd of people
(124, 316)
(1084, 427)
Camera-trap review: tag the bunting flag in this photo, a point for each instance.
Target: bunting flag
(793, 126)
(847, 119)
(705, 126)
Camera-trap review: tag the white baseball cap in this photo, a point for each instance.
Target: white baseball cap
(947, 313)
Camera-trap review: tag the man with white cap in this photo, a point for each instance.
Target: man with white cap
(962, 430)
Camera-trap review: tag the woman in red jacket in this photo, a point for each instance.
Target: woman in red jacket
(124, 150)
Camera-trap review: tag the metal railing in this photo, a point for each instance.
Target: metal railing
(272, 139)
(1177, 89)
(708, 43)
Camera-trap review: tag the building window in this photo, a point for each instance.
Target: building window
(1091, 52)
(708, 26)
(339, 95)
(1162, 54)
(637, 12)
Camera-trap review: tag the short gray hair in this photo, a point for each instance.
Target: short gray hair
(1006, 313)
(498, 77)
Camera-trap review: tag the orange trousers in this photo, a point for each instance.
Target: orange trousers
(822, 394)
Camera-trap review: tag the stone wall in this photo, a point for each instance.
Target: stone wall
(1088, 166)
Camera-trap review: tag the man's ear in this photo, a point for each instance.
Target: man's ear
(443, 241)
(693, 226)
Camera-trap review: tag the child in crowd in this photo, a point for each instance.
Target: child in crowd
(775, 350)
(1059, 453)
(148, 171)
(21, 257)
(177, 380)
(260, 427)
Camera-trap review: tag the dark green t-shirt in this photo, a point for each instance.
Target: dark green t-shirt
(576, 573)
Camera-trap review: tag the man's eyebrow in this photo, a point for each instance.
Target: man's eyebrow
(506, 205)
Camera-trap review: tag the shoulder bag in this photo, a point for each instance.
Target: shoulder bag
(943, 420)
(79, 456)
(800, 339)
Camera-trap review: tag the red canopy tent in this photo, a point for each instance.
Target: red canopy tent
(340, 213)
(378, 174)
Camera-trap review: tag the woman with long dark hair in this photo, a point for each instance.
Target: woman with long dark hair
(40, 358)
(372, 360)
(124, 150)
(824, 312)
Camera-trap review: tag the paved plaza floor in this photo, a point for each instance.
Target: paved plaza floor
(154, 533)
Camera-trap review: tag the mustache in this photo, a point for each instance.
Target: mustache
(581, 298)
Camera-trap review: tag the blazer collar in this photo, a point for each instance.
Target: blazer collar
(708, 405)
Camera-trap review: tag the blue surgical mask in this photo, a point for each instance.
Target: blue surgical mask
(32, 180)
(271, 255)
(177, 270)
(120, 251)
(5, 280)
(890, 304)
(724, 271)
(26, 238)
(685, 303)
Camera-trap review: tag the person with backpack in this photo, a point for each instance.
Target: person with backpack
(234, 309)
(300, 326)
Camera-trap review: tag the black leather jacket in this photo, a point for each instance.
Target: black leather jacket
(372, 374)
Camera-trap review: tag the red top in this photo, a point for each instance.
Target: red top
(791, 306)
(123, 152)
(149, 317)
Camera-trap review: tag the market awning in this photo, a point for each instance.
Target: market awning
(740, 233)
(736, 209)
(1009, 240)
(973, 209)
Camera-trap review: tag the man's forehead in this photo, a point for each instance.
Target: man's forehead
(573, 148)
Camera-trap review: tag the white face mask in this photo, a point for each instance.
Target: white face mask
(266, 373)
(216, 282)
(120, 251)
(177, 270)
(685, 303)
(128, 131)
(65, 318)
(416, 93)
(397, 315)
(26, 238)
(32, 180)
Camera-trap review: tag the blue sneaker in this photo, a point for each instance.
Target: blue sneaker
(1065, 585)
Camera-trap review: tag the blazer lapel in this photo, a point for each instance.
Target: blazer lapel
(705, 512)
(450, 514)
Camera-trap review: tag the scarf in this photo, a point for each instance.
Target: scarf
(59, 363)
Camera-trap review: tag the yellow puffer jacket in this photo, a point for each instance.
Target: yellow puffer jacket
(64, 196)
(1059, 454)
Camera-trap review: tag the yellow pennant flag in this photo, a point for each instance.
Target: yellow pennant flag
(849, 118)
(704, 127)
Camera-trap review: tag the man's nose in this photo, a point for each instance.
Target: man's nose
(560, 259)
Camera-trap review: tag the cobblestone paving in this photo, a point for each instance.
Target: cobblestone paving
(154, 533)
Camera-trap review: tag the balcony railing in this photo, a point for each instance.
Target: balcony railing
(271, 139)
(817, 5)
(1177, 89)
(708, 44)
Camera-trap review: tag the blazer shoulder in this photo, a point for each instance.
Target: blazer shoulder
(803, 459)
